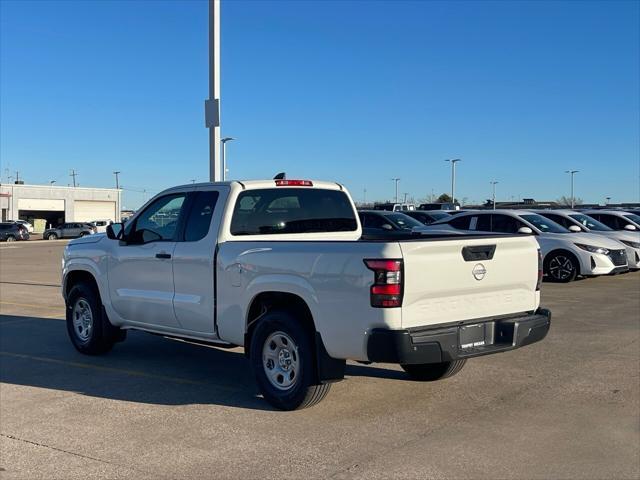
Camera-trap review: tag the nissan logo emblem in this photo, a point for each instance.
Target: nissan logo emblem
(479, 271)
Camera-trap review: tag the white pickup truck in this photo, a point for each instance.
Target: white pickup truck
(281, 268)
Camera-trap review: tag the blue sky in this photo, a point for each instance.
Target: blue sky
(357, 92)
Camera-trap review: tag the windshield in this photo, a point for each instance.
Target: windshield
(544, 224)
(590, 223)
(405, 222)
(633, 217)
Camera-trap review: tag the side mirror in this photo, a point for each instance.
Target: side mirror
(525, 230)
(575, 228)
(628, 226)
(114, 231)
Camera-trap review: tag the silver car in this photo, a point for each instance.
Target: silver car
(569, 218)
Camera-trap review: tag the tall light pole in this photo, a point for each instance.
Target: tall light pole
(396, 180)
(572, 172)
(493, 185)
(117, 182)
(212, 105)
(607, 200)
(51, 182)
(453, 177)
(224, 156)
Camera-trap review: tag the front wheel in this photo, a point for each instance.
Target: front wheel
(561, 267)
(282, 358)
(87, 325)
(429, 372)
(52, 236)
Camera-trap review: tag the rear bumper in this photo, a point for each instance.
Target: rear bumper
(441, 344)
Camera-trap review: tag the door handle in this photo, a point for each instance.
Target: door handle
(163, 255)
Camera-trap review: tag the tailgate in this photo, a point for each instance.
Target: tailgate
(441, 285)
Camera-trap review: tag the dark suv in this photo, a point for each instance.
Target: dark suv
(11, 231)
(69, 230)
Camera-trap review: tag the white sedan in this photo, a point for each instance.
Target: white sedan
(566, 253)
(630, 238)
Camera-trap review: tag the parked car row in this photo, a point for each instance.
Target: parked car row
(572, 243)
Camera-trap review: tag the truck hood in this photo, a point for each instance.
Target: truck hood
(95, 238)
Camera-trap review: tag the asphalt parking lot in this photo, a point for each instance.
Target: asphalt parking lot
(568, 407)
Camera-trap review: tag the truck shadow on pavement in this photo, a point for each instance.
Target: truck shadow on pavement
(144, 368)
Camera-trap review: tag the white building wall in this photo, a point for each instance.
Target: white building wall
(43, 193)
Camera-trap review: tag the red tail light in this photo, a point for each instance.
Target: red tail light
(540, 272)
(294, 183)
(386, 291)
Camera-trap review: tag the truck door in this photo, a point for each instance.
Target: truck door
(194, 262)
(141, 267)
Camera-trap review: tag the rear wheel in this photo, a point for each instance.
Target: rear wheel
(283, 361)
(87, 325)
(561, 267)
(52, 236)
(11, 238)
(430, 372)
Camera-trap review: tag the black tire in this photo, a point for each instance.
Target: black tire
(11, 238)
(92, 335)
(561, 267)
(303, 391)
(52, 236)
(429, 372)
(82, 234)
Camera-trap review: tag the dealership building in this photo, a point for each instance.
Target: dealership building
(44, 205)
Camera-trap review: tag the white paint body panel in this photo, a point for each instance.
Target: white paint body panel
(205, 290)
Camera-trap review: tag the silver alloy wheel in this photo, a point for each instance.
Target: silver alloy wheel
(52, 236)
(10, 239)
(281, 361)
(82, 319)
(560, 267)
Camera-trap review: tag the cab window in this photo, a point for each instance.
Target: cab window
(158, 222)
(200, 216)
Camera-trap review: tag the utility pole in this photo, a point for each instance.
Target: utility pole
(572, 173)
(493, 184)
(364, 198)
(396, 180)
(17, 176)
(453, 178)
(224, 156)
(73, 174)
(117, 182)
(212, 105)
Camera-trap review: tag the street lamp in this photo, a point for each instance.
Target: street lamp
(51, 182)
(224, 156)
(572, 172)
(493, 184)
(453, 178)
(608, 199)
(396, 180)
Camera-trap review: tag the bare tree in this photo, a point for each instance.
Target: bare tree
(566, 201)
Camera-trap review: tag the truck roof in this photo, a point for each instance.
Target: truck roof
(255, 184)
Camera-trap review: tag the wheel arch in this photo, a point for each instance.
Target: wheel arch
(328, 369)
(78, 275)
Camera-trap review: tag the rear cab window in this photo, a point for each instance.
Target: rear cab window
(273, 211)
